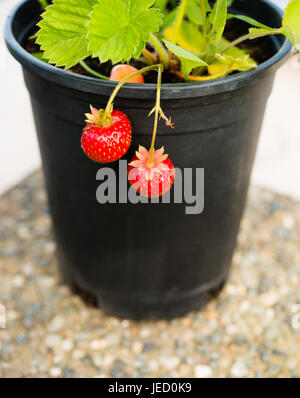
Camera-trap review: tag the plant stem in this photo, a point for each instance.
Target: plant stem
(157, 111)
(122, 82)
(251, 36)
(160, 49)
(149, 57)
(142, 60)
(181, 14)
(91, 71)
(204, 29)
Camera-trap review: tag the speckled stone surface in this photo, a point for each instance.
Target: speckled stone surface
(251, 330)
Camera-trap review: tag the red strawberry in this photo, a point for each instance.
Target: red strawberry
(151, 179)
(106, 138)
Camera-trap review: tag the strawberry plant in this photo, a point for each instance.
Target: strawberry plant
(183, 38)
(186, 36)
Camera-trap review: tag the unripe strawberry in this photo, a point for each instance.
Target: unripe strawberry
(119, 72)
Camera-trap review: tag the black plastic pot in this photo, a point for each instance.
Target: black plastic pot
(148, 261)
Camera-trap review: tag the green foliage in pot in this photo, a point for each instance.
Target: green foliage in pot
(187, 37)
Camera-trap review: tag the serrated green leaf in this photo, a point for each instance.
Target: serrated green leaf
(225, 64)
(40, 55)
(249, 20)
(189, 61)
(62, 34)
(291, 20)
(120, 32)
(218, 18)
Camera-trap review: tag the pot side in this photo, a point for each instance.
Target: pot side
(147, 261)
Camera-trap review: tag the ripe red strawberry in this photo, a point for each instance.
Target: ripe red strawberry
(151, 179)
(106, 139)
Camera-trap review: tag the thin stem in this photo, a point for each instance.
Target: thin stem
(204, 29)
(149, 57)
(141, 59)
(179, 20)
(157, 112)
(236, 42)
(250, 36)
(160, 49)
(122, 82)
(91, 71)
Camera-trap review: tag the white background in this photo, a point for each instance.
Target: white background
(277, 164)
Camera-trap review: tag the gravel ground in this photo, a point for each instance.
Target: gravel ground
(251, 330)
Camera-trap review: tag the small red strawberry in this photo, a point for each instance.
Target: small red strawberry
(106, 138)
(151, 178)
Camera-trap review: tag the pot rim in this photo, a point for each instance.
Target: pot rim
(132, 90)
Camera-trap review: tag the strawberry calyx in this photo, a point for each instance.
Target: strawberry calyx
(150, 166)
(99, 117)
(151, 175)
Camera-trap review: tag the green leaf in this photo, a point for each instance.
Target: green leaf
(218, 19)
(120, 32)
(237, 52)
(62, 34)
(249, 20)
(162, 5)
(225, 64)
(194, 12)
(288, 33)
(207, 6)
(189, 37)
(40, 55)
(189, 61)
(170, 18)
(291, 20)
(234, 52)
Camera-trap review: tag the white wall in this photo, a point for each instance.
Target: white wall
(281, 3)
(278, 161)
(18, 147)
